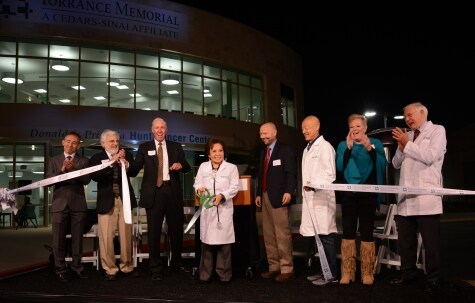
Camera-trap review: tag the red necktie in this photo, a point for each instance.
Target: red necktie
(416, 134)
(264, 172)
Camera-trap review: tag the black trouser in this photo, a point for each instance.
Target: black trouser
(429, 227)
(165, 207)
(357, 213)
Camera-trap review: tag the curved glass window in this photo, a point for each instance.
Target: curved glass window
(83, 75)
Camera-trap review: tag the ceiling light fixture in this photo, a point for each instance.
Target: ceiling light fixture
(60, 65)
(113, 82)
(206, 90)
(18, 174)
(170, 79)
(370, 114)
(9, 77)
(207, 95)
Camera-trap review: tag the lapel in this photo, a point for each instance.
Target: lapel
(153, 146)
(274, 152)
(104, 155)
(169, 151)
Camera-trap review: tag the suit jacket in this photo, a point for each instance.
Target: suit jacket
(70, 192)
(146, 158)
(281, 173)
(103, 177)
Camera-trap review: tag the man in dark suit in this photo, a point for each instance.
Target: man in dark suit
(110, 210)
(277, 182)
(68, 210)
(161, 194)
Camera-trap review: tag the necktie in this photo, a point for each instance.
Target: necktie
(264, 172)
(115, 180)
(416, 134)
(68, 158)
(160, 164)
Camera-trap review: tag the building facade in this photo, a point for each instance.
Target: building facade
(91, 65)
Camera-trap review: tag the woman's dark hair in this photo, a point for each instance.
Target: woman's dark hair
(212, 142)
(73, 133)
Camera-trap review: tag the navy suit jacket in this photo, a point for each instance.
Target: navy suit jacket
(146, 158)
(281, 173)
(103, 177)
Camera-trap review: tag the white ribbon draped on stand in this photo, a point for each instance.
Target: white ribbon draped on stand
(8, 200)
(327, 274)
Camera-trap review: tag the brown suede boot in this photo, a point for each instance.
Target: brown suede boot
(348, 261)
(367, 254)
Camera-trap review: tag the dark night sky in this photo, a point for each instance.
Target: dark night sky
(355, 64)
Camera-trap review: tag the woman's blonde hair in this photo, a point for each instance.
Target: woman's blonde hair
(357, 116)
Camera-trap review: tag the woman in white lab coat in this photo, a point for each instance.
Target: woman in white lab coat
(221, 180)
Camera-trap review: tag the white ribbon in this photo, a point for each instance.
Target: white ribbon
(126, 195)
(7, 198)
(327, 274)
(393, 189)
(193, 219)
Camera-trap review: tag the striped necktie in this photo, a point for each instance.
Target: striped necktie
(115, 180)
(160, 164)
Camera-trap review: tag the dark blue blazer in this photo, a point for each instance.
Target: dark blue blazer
(281, 173)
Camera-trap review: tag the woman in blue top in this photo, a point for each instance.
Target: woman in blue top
(359, 160)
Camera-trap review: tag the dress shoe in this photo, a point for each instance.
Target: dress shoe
(322, 282)
(430, 287)
(109, 277)
(402, 281)
(157, 277)
(180, 267)
(270, 274)
(65, 277)
(314, 277)
(81, 275)
(285, 277)
(131, 274)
